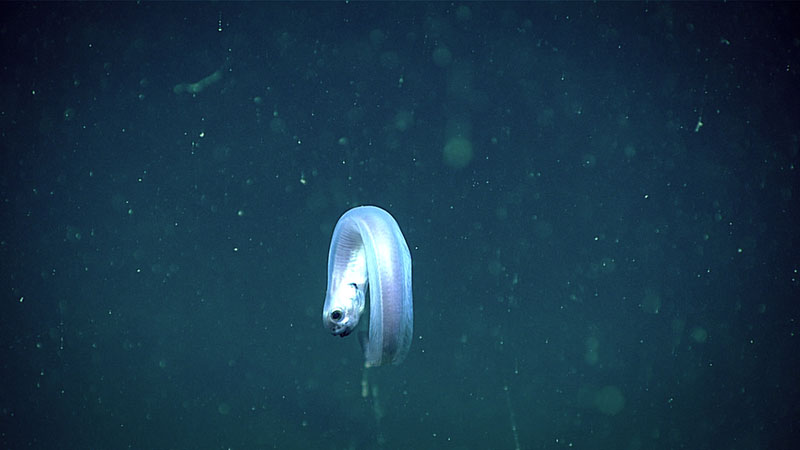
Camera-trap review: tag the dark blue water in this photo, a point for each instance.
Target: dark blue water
(600, 200)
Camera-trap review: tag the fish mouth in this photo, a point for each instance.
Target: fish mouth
(341, 331)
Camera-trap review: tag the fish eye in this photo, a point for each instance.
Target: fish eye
(336, 315)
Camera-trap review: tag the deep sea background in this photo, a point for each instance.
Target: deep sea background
(601, 202)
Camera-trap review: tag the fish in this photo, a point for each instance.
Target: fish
(369, 254)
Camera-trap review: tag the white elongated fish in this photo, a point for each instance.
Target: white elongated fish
(368, 250)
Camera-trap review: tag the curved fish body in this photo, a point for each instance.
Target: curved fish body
(368, 250)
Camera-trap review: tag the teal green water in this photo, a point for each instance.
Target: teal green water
(600, 202)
